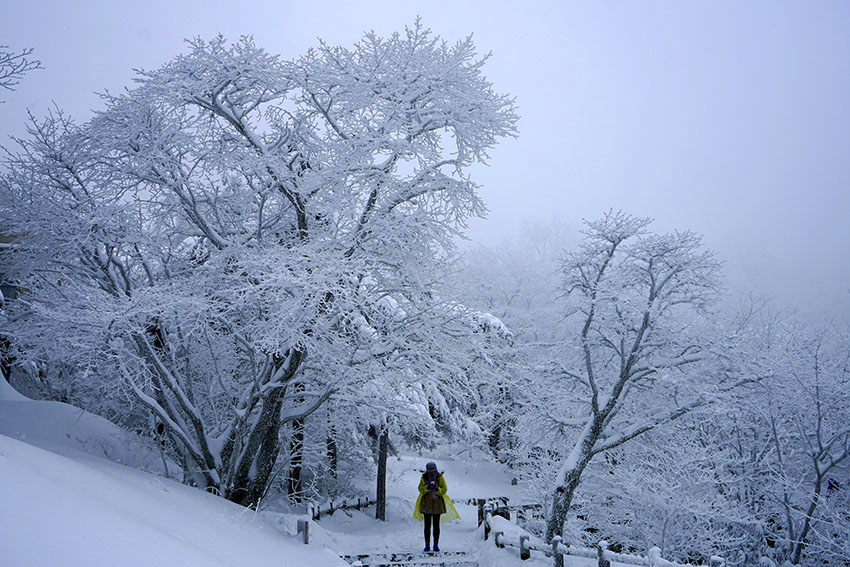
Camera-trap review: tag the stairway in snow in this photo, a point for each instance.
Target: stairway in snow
(420, 559)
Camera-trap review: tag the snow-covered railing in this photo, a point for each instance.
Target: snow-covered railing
(315, 510)
(501, 507)
(526, 543)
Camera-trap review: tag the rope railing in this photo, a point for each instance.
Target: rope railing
(526, 543)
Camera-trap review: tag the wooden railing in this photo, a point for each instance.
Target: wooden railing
(525, 543)
(315, 511)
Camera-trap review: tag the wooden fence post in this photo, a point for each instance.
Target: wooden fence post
(480, 511)
(524, 551)
(601, 548)
(556, 541)
(304, 530)
(496, 536)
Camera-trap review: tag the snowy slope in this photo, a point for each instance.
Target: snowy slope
(58, 511)
(73, 432)
(62, 506)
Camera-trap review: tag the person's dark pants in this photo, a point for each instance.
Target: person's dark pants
(432, 520)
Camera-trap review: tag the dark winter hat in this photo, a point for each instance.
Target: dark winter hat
(431, 467)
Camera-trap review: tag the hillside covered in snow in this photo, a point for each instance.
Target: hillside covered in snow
(65, 506)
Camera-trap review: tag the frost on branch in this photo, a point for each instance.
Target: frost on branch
(14, 65)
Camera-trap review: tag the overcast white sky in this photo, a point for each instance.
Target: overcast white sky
(729, 118)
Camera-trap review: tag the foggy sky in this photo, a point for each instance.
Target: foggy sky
(728, 118)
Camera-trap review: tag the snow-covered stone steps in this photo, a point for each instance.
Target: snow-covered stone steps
(438, 559)
(406, 556)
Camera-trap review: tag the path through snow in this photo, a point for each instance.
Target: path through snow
(358, 532)
(352, 532)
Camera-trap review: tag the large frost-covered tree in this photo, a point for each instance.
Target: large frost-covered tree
(240, 236)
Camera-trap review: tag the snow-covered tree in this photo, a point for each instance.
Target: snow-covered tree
(830, 535)
(795, 429)
(239, 236)
(668, 489)
(760, 476)
(516, 281)
(816, 428)
(635, 300)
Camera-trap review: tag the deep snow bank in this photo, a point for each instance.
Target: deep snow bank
(72, 432)
(58, 511)
(63, 504)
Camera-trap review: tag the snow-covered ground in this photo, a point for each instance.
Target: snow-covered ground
(355, 532)
(65, 507)
(70, 498)
(72, 432)
(358, 532)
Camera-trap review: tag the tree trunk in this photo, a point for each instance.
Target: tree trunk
(383, 449)
(295, 487)
(495, 435)
(333, 453)
(265, 460)
(332, 450)
(568, 481)
(5, 360)
(807, 524)
(561, 501)
(261, 451)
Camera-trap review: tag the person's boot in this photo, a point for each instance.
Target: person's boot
(428, 547)
(436, 547)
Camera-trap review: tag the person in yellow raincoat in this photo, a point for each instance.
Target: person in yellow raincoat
(433, 504)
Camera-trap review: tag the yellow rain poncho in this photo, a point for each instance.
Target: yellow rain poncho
(450, 514)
